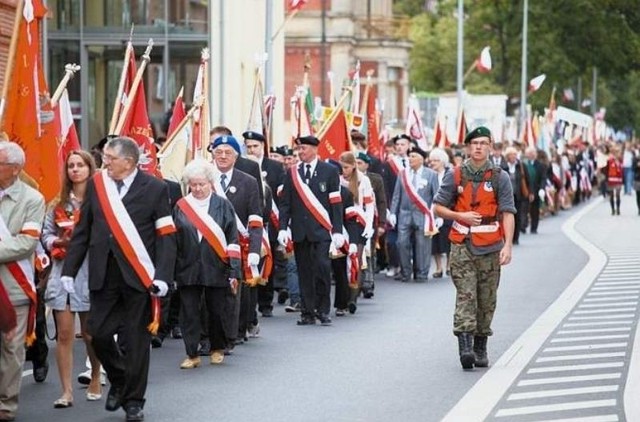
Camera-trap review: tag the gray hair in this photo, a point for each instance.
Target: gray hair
(440, 154)
(199, 167)
(15, 154)
(125, 147)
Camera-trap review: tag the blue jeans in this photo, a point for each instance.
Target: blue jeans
(292, 281)
(628, 180)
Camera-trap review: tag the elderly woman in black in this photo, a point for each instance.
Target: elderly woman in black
(208, 260)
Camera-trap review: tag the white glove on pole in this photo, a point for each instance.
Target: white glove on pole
(253, 259)
(283, 237)
(391, 219)
(542, 194)
(368, 232)
(338, 240)
(67, 284)
(439, 222)
(159, 288)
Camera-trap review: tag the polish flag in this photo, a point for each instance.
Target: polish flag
(68, 135)
(483, 63)
(536, 83)
(296, 4)
(178, 113)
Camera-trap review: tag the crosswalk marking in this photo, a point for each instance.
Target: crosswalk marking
(563, 392)
(564, 368)
(595, 330)
(600, 418)
(575, 378)
(590, 404)
(589, 338)
(580, 357)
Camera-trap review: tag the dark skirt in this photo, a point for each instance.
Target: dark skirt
(440, 243)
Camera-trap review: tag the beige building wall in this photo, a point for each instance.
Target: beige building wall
(238, 29)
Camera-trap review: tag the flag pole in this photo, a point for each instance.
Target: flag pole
(283, 24)
(365, 94)
(69, 72)
(11, 58)
(469, 71)
(204, 109)
(123, 76)
(181, 125)
(134, 88)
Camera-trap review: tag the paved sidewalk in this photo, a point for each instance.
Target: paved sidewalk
(573, 363)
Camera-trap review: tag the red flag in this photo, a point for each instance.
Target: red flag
(137, 125)
(483, 63)
(373, 135)
(28, 118)
(439, 136)
(336, 138)
(68, 140)
(178, 113)
(462, 128)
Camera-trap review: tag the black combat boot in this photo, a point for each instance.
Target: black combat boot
(480, 350)
(465, 348)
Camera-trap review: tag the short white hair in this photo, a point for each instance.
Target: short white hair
(199, 168)
(440, 154)
(15, 154)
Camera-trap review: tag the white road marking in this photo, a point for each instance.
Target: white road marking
(545, 369)
(576, 378)
(27, 373)
(528, 410)
(589, 338)
(586, 347)
(604, 311)
(564, 392)
(593, 324)
(581, 357)
(609, 299)
(606, 305)
(595, 330)
(614, 294)
(599, 418)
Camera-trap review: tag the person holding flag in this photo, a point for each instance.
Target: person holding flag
(126, 227)
(22, 212)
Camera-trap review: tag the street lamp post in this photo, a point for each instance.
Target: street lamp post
(523, 82)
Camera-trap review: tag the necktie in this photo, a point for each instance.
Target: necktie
(223, 182)
(119, 185)
(414, 179)
(307, 173)
(404, 163)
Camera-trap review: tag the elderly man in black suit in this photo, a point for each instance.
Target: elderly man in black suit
(242, 191)
(273, 173)
(312, 207)
(126, 227)
(537, 182)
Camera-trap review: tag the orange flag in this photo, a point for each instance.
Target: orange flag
(137, 125)
(28, 118)
(336, 138)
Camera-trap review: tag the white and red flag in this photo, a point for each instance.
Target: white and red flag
(536, 83)
(483, 63)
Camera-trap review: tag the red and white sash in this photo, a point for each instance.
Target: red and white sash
(356, 213)
(395, 168)
(420, 203)
(209, 229)
(311, 202)
(22, 272)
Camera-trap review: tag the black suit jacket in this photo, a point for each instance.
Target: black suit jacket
(377, 183)
(274, 175)
(516, 182)
(146, 201)
(324, 180)
(251, 168)
(242, 191)
(175, 192)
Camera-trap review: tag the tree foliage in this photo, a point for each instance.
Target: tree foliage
(566, 40)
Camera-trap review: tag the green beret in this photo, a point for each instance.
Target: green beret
(478, 132)
(364, 157)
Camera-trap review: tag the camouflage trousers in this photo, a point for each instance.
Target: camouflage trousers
(476, 278)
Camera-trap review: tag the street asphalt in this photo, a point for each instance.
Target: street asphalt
(394, 360)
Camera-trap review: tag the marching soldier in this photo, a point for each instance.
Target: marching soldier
(478, 197)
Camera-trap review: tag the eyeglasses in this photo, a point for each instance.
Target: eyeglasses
(108, 158)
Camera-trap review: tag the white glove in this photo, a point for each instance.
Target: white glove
(67, 284)
(338, 240)
(368, 233)
(353, 248)
(253, 259)
(391, 219)
(439, 222)
(159, 288)
(541, 194)
(283, 237)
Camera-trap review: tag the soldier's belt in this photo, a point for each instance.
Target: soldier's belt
(485, 228)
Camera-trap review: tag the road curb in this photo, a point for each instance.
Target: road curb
(485, 394)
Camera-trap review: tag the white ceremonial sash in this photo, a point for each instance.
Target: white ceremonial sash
(310, 201)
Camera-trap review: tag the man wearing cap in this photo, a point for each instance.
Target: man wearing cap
(273, 173)
(312, 207)
(411, 212)
(242, 191)
(481, 241)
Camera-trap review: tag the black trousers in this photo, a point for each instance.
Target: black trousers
(119, 308)
(277, 279)
(534, 214)
(37, 353)
(314, 272)
(170, 313)
(215, 302)
(339, 269)
(248, 314)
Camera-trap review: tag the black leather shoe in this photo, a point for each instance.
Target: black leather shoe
(156, 342)
(305, 320)
(325, 320)
(176, 333)
(267, 313)
(40, 372)
(205, 348)
(283, 295)
(114, 399)
(134, 412)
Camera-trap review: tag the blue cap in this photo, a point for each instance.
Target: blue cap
(224, 140)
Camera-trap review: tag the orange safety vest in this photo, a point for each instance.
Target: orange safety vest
(484, 202)
(614, 172)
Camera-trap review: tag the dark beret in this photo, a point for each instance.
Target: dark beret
(364, 157)
(479, 132)
(402, 136)
(287, 151)
(308, 140)
(257, 136)
(417, 150)
(356, 135)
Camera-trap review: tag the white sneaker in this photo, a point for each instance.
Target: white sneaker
(390, 272)
(84, 378)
